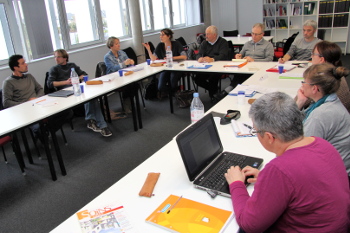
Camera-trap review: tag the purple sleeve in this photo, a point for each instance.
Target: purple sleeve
(269, 200)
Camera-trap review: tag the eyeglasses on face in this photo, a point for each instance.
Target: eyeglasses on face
(254, 132)
(58, 57)
(316, 54)
(256, 34)
(302, 82)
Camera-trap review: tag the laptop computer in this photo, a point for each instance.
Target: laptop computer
(205, 162)
(62, 93)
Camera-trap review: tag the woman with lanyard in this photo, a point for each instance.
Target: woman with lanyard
(167, 77)
(325, 51)
(327, 117)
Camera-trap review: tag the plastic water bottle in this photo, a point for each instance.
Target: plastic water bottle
(241, 97)
(197, 108)
(75, 82)
(169, 57)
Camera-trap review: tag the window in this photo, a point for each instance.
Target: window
(145, 15)
(6, 45)
(178, 13)
(114, 18)
(36, 28)
(159, 14)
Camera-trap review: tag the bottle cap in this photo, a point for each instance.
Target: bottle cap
(241, 92)
(195, 94)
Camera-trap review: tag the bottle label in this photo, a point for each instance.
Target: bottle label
(196, 115)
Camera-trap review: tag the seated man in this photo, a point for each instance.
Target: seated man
(59, 78)
(304, 189)
(21, 87)
(301, 49)
(258, 49)
(214, 48)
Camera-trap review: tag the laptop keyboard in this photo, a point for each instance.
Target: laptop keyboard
(216, 179)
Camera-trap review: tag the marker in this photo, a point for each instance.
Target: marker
(174, 205)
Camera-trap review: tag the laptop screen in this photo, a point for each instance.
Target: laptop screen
(199, 145)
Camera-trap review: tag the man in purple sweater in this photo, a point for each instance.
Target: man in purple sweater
(304, 189)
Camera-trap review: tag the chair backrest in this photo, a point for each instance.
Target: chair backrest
(230, 33)
(47, 89)
(183, 43)
(131, 54)
(100, 69)
(152, 49)
(200, 39)
(289, 42)
(1, 106)
(267, 33)
(231, 51)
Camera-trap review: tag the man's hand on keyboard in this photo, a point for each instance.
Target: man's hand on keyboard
(233, 174)
(252, 173)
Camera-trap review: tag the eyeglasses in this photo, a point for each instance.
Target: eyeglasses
(316, 54)
(161, 34)
(254, 132)
(256, 34)
(58, 57)
(302, 82)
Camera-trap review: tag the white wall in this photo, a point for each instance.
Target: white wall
(249, 12)
(223, 15)
(88, 58)
(229, 15)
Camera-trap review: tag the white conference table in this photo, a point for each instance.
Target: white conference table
(173, 178)
(243, 39)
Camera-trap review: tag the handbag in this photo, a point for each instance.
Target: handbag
(184, 98)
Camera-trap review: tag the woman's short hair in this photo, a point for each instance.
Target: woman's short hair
(326, 76)
(13, 61)
(168, 32)
(278, 114)
(110, 41)
(63, 53)
(330, 51)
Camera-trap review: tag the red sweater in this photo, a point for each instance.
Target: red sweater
(304, 190)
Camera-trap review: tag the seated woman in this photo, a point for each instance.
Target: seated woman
(115, 60)
(326, 117)
(325, 51)
(304, 189)
(168, 80)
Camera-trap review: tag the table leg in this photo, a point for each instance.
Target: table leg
(47, 151)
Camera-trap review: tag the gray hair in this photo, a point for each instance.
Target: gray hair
(311, 23)
(213, 29)
(278, 114)
(260, 25)
(110, 41)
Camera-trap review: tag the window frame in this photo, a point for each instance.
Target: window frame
(13, 29)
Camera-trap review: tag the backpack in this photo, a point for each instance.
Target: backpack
(151, 89)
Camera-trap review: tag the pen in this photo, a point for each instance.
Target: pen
(174, 205)
(248, 126)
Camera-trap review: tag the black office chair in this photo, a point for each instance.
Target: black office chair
(9, 139)
(131, 54)
(152, 49)
(289, 42)
(230, 33)
(267, 33)
(182, 41)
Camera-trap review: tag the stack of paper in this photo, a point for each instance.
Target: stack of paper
(248, 90)
(134, 68)
(242, 129)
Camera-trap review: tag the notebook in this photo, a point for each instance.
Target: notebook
(62, 93)
(205, 162)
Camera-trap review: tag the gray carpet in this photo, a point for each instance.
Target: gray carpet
(35, 203)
